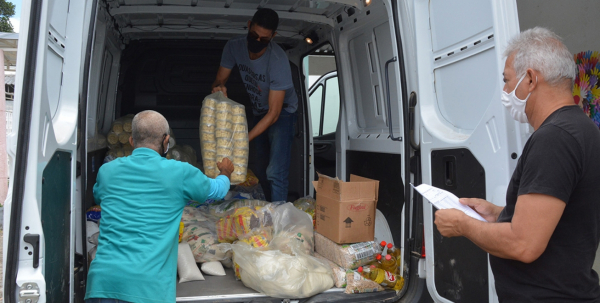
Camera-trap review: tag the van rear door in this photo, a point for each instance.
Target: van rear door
(40, 247)
(469, 142)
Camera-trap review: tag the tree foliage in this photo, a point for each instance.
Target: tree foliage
(7, 10)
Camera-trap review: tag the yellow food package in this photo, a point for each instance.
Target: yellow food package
(225, 230)
(259, 240)
(244, 220)
(180, 231)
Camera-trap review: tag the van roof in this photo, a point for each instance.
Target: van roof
(221, 19)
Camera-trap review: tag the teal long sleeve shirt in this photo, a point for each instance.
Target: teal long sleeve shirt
(142, 198)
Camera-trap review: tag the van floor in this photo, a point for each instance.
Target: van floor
(213, 286)
(220, 287)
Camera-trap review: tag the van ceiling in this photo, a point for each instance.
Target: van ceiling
(221, 19)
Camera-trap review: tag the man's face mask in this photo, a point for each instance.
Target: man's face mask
(515, 106)
(164, 153)
(255, 46)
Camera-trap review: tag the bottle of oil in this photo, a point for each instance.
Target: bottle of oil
(377, 261)
(382, 246)
(382, 277)
(389, 264)
(396, 252)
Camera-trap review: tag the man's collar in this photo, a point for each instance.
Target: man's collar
(145, 151)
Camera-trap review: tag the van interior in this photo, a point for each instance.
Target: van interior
(381, 106)
(164, 55)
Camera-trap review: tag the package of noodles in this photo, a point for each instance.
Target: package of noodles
(224, 134)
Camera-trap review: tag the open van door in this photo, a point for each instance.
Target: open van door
(41, 206)
(469, 142)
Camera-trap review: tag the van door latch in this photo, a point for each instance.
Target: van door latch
(29, 293)
(34, 240)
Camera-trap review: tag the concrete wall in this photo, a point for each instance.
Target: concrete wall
(576, 21)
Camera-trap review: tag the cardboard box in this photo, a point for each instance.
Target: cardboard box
(345, 211)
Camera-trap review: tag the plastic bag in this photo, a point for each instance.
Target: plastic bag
(186, 266)
(280, 275)
(213, 268)
(253, 192)
(339, 274)
(203, 242)
(349, 256)
(290, 225)
(224, 133)
(358, 284)
(245, 222)
(307, 205)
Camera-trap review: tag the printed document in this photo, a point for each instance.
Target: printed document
(443, 199)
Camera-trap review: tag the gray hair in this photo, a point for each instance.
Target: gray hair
(542, 50)
(148, 129)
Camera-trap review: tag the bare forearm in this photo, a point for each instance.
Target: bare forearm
(262, 125)
(498, 239)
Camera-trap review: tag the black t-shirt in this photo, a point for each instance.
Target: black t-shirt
(560, 159)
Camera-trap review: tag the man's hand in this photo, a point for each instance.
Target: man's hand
(486, 209)
(220, 80)
(220, 88)
(448, 222)
(226, 167)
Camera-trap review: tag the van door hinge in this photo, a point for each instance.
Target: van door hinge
(29, 293)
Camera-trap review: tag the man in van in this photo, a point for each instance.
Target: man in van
(142, 198)
(542, 244)
(265, 70)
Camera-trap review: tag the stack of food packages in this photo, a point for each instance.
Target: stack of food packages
(345, 258)
(224, 133)
(271, 245)
(119, 146)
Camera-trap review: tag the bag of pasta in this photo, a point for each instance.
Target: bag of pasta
(224, 133)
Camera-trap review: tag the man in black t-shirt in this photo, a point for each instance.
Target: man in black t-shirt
(542, 245)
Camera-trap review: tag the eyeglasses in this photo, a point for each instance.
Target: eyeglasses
(255, 36)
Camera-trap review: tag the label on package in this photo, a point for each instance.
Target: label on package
(389, 276)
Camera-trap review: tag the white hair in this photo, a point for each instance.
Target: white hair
(542, 50)
(148, 129)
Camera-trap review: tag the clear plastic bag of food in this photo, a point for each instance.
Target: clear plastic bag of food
(281, 275)
(292, 227)
(307, 205)
(203, 242)
(224, 133)
(349, 256)
(357, 284)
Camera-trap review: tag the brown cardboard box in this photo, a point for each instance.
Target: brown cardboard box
(345, 211)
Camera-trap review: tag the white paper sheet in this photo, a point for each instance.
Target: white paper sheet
(443, 199)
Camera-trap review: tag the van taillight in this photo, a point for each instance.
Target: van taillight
(423, 245)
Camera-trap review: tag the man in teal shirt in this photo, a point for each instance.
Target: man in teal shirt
(142, 198)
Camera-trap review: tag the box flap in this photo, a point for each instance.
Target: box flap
(355, 178)
(359, 188)
(329, 187)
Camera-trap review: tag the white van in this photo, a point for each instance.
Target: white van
(417, 84)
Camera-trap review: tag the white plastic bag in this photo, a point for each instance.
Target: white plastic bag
(280, 275)
(213, 268)
(291, 225)
(186, 265)
(224, 133)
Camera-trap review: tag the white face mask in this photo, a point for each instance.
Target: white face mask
(515, 105)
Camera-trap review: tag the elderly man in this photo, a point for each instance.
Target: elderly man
(142, 198)
(543, 243)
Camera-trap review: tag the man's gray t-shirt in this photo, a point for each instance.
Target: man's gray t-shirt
(269, 72)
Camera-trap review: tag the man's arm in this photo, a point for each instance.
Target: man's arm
(275, 105)
(524, 239)
(222, 77)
